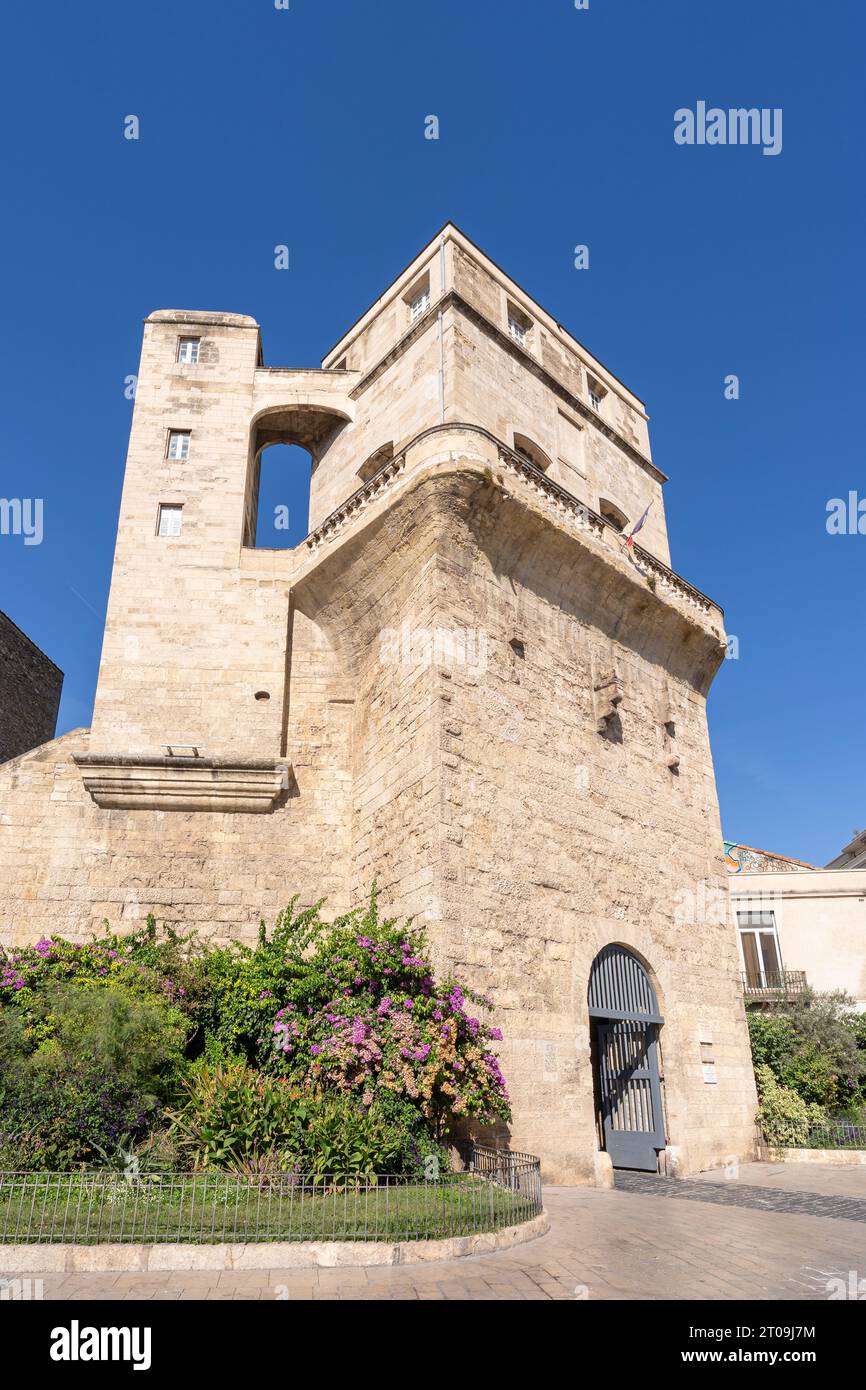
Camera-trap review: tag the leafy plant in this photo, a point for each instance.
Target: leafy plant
(812, 1048)
(784, 1117)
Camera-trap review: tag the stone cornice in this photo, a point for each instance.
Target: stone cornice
(120, 782)
(657, 575)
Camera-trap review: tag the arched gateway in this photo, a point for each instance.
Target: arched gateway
(624, 1023)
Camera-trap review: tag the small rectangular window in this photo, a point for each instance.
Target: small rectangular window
(519, 324)
(178, 444)
(187, 350)
(169, 519)
(420, 304)
(597, 394)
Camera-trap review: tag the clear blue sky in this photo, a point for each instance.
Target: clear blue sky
(305, 127)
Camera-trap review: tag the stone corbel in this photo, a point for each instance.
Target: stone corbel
(607, 695)
(669, 729)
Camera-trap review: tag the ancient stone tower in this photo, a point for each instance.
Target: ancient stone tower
(462, 682)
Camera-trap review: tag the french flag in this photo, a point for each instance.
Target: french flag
(629, 545)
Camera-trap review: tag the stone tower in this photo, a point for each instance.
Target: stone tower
(462, 683)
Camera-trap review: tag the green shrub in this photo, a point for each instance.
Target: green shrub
(247, 985)
(785, 1118)
(58, 1118)
(237, 1118)
(232, 1113)
(369, 1016)
(326, 1045)
(812, 1047)
(139, 1042)
(85, 1074)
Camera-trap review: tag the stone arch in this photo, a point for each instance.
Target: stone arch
(528, 448)
(370, 467)
(309, 423)
(612, 513)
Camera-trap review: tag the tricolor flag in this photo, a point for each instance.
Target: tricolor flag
(629, 545)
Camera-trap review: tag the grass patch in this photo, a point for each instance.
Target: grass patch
(216, 1208)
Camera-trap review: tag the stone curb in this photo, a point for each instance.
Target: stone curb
(837, 1158)
(80, 1259)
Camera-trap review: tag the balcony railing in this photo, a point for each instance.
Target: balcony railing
(774, 984)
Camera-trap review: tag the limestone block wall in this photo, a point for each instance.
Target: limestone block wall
(490, 385)
(30, 685)
(187, 643)
(557, 841)
(69, 865)
(392, 406)
(483, 285)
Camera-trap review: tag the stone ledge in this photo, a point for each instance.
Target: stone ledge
(183, 783)
(76, 1259)
(836, 1158)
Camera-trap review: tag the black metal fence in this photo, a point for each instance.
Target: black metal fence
(837, 1135)
(498, 1190)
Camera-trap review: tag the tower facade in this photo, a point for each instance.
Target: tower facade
(462, 683)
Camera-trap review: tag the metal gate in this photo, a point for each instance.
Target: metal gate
(623, 1004)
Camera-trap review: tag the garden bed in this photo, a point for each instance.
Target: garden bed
(220, 1208)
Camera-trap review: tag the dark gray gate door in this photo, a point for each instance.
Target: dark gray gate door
(622, 1000)
(630, 1094)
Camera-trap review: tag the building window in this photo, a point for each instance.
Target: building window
(417, 298)
(597, 394)
(759, 943)
(178, 444)
(519, 325)
(187, 350)
(419, 305)
(168, 523)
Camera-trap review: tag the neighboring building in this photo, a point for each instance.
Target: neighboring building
(461, 682)
(30, 686)
(853, 856)
(800, 925)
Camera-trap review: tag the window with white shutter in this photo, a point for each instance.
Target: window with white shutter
(178, 444)
(170, 514)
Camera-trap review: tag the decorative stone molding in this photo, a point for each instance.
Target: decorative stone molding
(183, 783)
(379, 483)
(659, 578)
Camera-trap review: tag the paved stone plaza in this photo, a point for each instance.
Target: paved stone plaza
(776, 1232)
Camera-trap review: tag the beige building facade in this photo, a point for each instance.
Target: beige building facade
(800, 926)
(462, 683)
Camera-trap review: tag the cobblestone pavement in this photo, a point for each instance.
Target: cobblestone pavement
(639, 1241)
(738, 1194)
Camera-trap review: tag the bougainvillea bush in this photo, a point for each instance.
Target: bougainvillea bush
(373, 1018)
(341, 1030)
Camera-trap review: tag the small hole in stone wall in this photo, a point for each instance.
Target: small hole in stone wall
(517, 647)
(263, 694)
